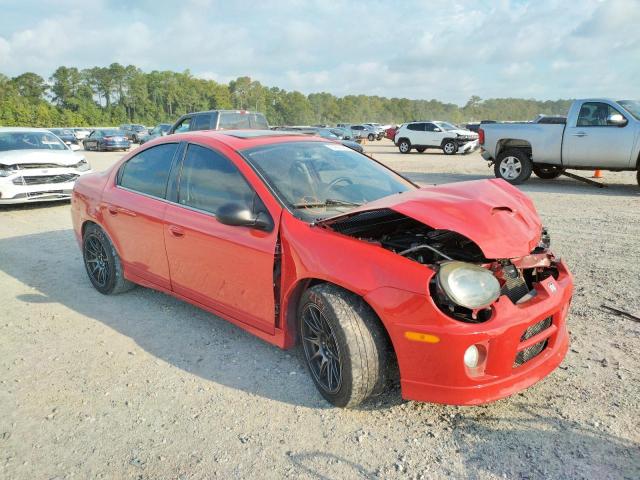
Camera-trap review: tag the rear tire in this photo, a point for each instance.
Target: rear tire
(404, 146)
(346, 349)
(103, 263)
(547, 172)
(513, 165)
(371, 137)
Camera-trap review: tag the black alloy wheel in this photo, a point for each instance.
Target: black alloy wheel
(321, 349)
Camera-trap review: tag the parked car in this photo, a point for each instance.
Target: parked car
(390, 132)
(378, 128)
(134, 131)
(364, 131)
(81, 133)
(65, 134)
(597, 134)
(342, 133)
(297, 239)
(108, 139)
(157, 131)
(473, 126)
(329, 134)
(220, 120)
(434, 134)
(36, 166)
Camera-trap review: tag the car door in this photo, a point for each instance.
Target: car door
(433, 134)
(227, 268)
(593, 142)
(133, 213)
(183, 125)
(417, 135)
(91, 143)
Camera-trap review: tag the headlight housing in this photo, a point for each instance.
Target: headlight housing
(83, 165)
(468, 285)
(6, 170)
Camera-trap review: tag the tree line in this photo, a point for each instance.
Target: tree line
(101, 96)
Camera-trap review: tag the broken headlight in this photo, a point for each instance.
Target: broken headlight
(468, 285)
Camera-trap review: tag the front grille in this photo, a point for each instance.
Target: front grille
(536, 328)
(25, 166)
(45, 179)
(528, 353)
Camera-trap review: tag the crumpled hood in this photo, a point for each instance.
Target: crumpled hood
(499, 218)
(465, 133)
(60, 157)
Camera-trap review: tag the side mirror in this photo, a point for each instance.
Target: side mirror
(240, 216)
(437, 130)
(616, 120)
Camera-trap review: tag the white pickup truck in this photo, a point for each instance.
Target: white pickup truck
(598, 134)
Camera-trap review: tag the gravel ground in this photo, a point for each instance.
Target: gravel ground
(144, 386)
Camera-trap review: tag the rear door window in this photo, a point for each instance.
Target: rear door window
(416, 127)
(202, 122)
(239, 120)
(209, 180)
(148, 171)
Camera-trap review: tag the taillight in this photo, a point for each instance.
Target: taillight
(481, 136)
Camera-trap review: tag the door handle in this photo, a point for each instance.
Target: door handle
(176, 231)
(579, 134)
(113, 210)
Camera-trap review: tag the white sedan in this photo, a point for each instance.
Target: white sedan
(36, 166)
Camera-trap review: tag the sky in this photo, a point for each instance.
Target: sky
(424, 49)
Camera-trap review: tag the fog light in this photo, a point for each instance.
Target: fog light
(472, 356)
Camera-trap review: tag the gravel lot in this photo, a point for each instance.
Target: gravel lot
(144, 386)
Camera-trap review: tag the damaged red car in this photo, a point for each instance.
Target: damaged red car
(302, 241)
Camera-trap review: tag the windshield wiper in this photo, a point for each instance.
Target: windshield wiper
(327, 203)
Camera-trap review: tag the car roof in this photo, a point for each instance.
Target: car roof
(240, 139)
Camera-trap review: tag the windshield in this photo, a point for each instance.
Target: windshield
(447, 127)
(631, 106)
(113, 133)
(30, 141)
(319, 179)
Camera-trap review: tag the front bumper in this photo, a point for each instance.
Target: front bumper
(116, 145)
(468, 147)
(12, 193)
(435, 372)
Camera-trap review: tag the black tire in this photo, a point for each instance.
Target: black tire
(339, 330)
(421, 149)
(103, 263)
(450, 147)
(404, 146)
(371, 137)
(513, 165)
(547, 172)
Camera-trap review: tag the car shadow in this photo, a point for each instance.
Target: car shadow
(562, 185)
(172, 330)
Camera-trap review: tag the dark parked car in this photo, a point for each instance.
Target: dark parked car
(220, 120)
(101, 140)
(65, 134)
(157, 131)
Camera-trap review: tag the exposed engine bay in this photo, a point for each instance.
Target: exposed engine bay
(414, 240)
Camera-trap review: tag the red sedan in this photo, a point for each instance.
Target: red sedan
(300, 240)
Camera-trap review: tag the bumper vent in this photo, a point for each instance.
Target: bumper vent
(536, 328)
(528, 353)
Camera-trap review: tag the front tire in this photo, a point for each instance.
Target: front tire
(513, 165)
(547, 172)
(404, 146)
(449, 147)
(371, 137)
(103, 263)
(345, 347)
